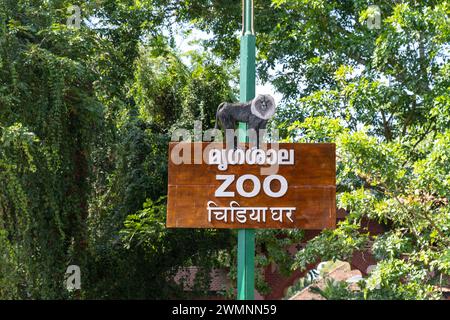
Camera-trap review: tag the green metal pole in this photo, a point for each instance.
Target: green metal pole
(246, 237)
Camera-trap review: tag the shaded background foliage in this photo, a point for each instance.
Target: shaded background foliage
(86, 115)
(84, 135)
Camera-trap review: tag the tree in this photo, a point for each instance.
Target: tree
(48, 121)
(383, 96)
(128, 224)
(81, 148)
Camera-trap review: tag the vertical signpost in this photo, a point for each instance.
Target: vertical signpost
(246, 237)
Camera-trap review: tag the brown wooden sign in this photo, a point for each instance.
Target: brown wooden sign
(210, 187)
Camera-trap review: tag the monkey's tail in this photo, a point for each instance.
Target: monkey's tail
(216, 126)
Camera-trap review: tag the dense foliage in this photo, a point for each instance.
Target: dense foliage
(85, 119)
(86, 115)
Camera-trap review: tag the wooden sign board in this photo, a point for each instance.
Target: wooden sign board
(300, 194)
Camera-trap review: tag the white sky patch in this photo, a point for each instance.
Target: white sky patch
(185, 44)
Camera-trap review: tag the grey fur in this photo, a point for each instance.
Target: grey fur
(229, 113)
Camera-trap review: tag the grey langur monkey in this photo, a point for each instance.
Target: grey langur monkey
(255, 113)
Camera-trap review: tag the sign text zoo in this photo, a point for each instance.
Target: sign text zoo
(290, 186)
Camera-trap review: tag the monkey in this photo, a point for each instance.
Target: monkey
(255, 113)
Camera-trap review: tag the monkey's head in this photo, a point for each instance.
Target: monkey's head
(263, 106)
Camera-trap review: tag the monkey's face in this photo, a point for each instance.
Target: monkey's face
(263, 106)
